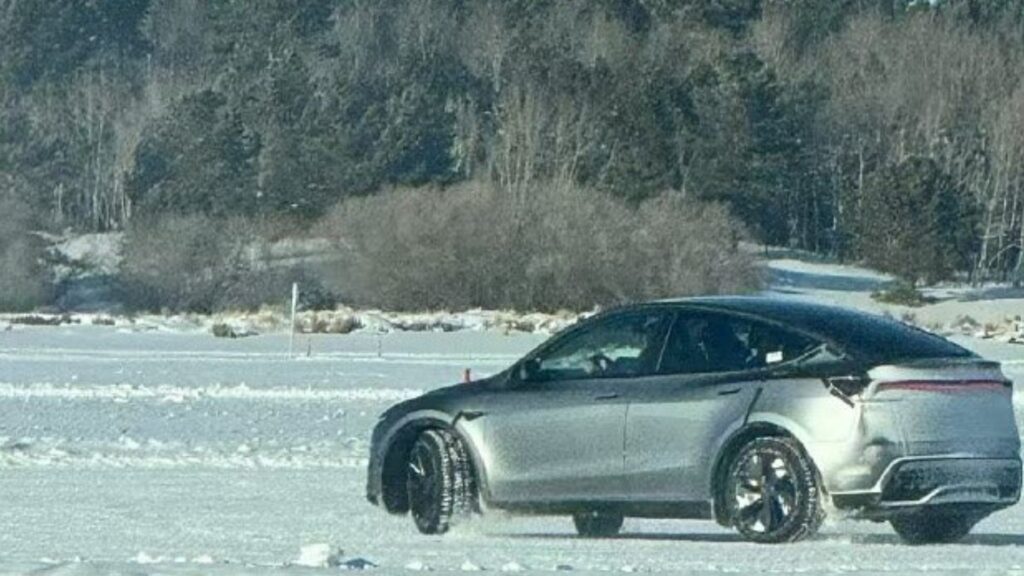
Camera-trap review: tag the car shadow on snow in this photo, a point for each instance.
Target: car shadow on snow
(653, 536)
(981, 539)
(995, 539)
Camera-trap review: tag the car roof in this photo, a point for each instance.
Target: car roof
(870, 337)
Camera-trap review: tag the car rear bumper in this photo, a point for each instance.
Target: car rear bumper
(913, 483)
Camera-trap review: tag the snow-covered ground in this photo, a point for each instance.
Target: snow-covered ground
(173, 452)
(164, 453)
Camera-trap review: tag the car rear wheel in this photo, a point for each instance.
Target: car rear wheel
(772, 492)
(597, 525)
(934, 527)
(439, 481)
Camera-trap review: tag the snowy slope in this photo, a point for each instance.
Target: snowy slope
(847, 285)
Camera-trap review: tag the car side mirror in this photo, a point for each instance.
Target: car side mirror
(529, 371)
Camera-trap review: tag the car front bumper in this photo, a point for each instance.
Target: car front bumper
(374, 480)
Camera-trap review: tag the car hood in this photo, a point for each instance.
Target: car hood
(441, 398)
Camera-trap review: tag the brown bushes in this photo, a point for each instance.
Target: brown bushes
(24, 282)
(467, 246)
(561, 247)
(201, 264)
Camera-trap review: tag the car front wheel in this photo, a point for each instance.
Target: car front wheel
(772, 492)
(439, 481)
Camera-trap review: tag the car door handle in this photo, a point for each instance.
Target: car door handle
(729, 392)
(608, 396)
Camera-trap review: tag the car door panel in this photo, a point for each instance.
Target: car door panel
(557, 443)
(672, 429)
(711, 370)
(560, 435)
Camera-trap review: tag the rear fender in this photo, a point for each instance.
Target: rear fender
(756, 426)
(802, 409)
(786, 426)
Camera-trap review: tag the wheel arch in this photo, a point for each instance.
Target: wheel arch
(745, 434)
(394, 497)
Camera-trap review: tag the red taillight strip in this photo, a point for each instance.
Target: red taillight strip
(947, 386)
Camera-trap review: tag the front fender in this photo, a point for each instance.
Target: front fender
(401, 433)
(388, 435)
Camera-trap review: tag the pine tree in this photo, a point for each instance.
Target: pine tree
(915, 223)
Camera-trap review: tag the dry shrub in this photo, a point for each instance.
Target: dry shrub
(557, 248)
(24, 281)
(39, 320)
(328, 322)
(200, 264)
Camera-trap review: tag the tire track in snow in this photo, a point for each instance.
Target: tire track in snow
(171, 393)
(67, 455)
(120, 356)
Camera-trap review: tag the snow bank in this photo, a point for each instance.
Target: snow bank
(340, 321)
(345, 320)
(320, 556)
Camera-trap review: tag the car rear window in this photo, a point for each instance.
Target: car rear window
(713, 343)
(886, 340)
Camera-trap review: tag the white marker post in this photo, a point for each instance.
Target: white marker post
(291, 333)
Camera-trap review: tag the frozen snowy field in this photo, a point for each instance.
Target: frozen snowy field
(164, 453)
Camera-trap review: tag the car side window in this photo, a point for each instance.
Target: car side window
(623, 346)
(713, 343)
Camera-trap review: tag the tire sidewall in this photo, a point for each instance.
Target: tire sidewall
(808, 512)
(455, 494)
(435, 518)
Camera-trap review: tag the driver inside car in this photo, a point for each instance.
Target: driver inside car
(634, 355)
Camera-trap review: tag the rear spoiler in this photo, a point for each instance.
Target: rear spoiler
(950, 362)
(924, 374)
(939, 374)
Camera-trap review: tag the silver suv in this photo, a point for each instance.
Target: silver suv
(753, 412)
